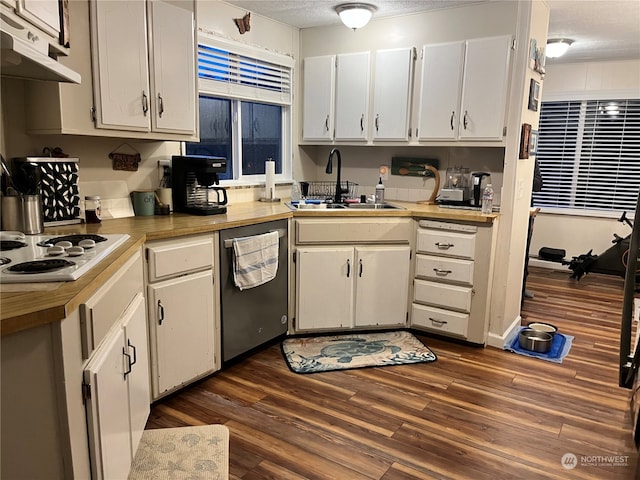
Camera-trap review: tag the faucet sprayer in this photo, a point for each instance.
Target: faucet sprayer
(329, 169)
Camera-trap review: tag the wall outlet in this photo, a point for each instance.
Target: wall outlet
(164, 163)
(384, 172)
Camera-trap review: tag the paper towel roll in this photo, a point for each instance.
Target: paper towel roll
(270, 179)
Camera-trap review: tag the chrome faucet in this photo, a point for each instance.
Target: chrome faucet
(329, 169)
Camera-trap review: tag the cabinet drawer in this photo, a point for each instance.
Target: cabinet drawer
(174, 257)
(443, 295)
(354, 230)
(103, 309)
(452, 244)
(443, 268)
(439, 320)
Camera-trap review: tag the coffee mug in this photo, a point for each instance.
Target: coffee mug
(144, 202)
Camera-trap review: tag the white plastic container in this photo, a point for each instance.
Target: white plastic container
(487, 199)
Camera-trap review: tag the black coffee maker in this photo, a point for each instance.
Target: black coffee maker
(194, 180)
(477, 188)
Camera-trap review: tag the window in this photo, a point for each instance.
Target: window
(245, 108)
(589, 154)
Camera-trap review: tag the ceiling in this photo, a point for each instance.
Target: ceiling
(601, 29)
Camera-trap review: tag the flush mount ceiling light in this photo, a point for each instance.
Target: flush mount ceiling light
(556, 47)
(355, 15)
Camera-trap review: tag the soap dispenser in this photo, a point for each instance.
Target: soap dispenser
(380, 192)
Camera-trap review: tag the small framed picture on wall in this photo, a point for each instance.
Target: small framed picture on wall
(534, 95)
(525, 139)
(533, 142)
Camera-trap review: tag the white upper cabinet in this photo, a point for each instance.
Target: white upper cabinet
(392, 93)
(144, 67)
(463, 90)
(318, 89)
(352, 96)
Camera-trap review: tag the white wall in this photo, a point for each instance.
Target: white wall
(577, 234)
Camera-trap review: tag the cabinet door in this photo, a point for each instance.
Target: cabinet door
(391, 92)
(324, 283)
(440, 91)
(108, 409)
(121, 73)
(182, 317)
(318, 85)
(486, 84)
(173, 78)
(352, 96)
(382, 285)
(135, 329)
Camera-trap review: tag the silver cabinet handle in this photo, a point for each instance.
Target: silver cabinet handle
(160, 312)
(453, 116)
(444, 246)
(439, 271)
(160, 105)
(465, 119)
(145, 103)
(438, 322)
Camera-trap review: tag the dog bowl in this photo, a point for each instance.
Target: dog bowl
(543, 327)
(535, 341)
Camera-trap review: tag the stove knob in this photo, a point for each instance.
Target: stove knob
(54, 251)
(87, 243)
(75, 251)
(64, 244)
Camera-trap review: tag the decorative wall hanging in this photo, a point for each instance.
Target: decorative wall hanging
(125, 161)
(533, 142)
(525, 138)
(244, 23)
(534, 95)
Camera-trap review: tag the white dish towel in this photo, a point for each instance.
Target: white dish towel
(255, 259)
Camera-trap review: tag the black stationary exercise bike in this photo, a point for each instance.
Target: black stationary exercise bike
(613, 261)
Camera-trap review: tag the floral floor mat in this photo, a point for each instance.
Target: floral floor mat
(356, 350)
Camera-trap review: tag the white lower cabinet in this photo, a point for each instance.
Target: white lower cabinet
(118, 407)
(181, 315)
(182, 311)
(346, 286)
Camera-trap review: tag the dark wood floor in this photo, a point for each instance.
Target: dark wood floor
(474, 414)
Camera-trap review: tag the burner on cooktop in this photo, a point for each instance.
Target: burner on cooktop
(11, 245)
(40, 266)
(74, 239)
(4, 260)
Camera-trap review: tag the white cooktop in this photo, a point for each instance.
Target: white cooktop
(34, 251)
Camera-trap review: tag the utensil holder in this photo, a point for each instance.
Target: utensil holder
(22, 213)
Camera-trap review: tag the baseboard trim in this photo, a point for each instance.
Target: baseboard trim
(498, 341)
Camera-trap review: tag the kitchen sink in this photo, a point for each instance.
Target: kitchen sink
(344, 206)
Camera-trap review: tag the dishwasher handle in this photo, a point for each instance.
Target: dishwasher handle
(282, 232)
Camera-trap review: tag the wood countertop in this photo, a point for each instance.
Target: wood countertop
(24, 306)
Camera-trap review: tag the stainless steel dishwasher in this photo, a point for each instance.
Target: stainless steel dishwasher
(257, 315)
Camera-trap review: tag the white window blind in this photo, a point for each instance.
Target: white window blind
(225, 72)
(589, 154)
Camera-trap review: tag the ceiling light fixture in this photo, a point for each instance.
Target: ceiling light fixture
(556, 47)
(355, 15)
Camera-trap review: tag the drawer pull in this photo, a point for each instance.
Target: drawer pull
(135, 355)
(128, 371)
(348, 268)
(444, 246)
(438, 322)
(440, 271)
(360, 272)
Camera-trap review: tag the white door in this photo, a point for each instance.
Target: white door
(173, 78)
(440, 91)
(324, 282)
(391, 93)
(108, 409)
(135, 328)
(485, 88)
(182, 313)
(382, 285)
(318, 94)
(352, 96)
(121, 74)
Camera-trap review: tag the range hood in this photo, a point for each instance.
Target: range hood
(21, 59)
